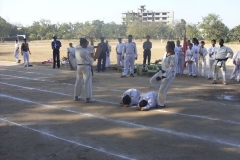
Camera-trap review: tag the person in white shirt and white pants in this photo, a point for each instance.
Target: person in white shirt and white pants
(119, 50)
(202, 60)
(236, 69)
(16, 52)
(211, 59)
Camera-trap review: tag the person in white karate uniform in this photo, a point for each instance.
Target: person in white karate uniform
(108, 55)
(16, 52)
(130, 97)
(84, 72)
(221, 56)
(25, 53)
(164, 77)
(71, 57)
(180, 56)
(211, 59)
(202, 60)
(236, 69)
(148, 101)
(190, 60)
(119, 50)
(130, 50)
(196, 55)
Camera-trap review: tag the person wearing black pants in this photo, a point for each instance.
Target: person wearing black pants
(102, 58)
(147, 45)
(56, 44)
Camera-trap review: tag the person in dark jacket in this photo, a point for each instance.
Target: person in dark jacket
(56, 44)
(102, 58)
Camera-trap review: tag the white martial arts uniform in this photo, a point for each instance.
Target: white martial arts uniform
(108, 56)
(202, 61)
(169, 69)
(180, 56)
(221, 54)
(236, 69)
(90, 49)
(196, 49)
(134, 94)
(72, 58)
(211, 60)
(151, 98)
(190, 62)
(129, 60)
(119, 48)
(16, 52)
(84, 73)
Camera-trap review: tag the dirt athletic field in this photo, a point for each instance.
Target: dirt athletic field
(39, 119)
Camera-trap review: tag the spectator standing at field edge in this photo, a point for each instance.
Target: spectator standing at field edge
(147, 46)
(56, 44)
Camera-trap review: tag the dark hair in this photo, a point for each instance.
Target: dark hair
(126, 100)
(196, 40)
(119, 38)
(16, 40)
(147, 36)
(203, 42)
(130, 35)
(221, 40)
(171, 44)
(189, 40)
(83, 41)
(178, 40)
(214, 40)
(143, 103)
(190, 44)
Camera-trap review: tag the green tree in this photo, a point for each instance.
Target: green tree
(32, 36)
(234, 33)
(179, 28)
(192, 31)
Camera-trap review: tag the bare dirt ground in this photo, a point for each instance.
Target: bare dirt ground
(40, 120)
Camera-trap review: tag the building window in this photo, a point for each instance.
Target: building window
(149, 18)
(144, 14)
(157, 14)
(149, 13)
(164, 13)
(157, 18)
(124, 19)
(164, 18)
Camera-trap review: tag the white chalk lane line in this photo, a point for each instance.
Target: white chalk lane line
(66, 140)
(130, 124)
(114, 103)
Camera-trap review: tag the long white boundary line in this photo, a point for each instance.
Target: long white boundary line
(108, 102)
(66, 140)
(162, 130)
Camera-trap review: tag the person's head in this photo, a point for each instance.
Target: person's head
(25, 40)
(119, 40)
(16, 41)
(143, 103)
(126, 100)
(130, 38)
(190, 45)
(107, 41)
(170, 47)
(213, 42)
(202, 43)
(221, 42)
(54, 37)
(83, 42)
(148, 37)
(188, 41)
(195, 41)
(178, 43)
(70, 44)
(102, 39)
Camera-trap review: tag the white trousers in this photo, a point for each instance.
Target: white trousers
(163, 85)
(236, 72)
(72, 61)
(196, 65)
(223, 69)
(129, 60)
(26, 58)
(202, 67)
(107, 61)
(16, 55)
(191, 68)
(84, 77)
(211, 66)
(120, 61)
(180, 66)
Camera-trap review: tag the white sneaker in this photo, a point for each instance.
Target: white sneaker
(89, 100)
(225, 83)
(76, 98)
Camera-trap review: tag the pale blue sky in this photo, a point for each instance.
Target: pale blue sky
(27, 11)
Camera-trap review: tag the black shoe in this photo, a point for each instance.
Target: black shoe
(123, 76)
(131, 75)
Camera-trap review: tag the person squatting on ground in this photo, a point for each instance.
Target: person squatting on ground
(130, 97)
(16, 52)
(202, 60)
(164, 77)
(180, 56)
(56, 44)
(211, 51)
(190, 60)
(108, 55)
(196, 48)
(148, 101)
(25, 53)
(131, 55)
(102, 58)
(71, 57)
(147, 46)
(84, 72)
(236, 69)
(119, 50)
(221, 56)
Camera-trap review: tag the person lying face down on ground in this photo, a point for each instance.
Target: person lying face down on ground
(147, 101)
(130, 97)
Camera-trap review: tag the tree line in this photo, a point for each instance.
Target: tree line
(211, 27)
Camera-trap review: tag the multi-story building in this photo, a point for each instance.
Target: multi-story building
(144, 15)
